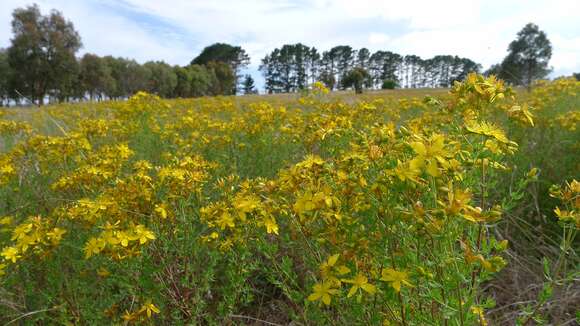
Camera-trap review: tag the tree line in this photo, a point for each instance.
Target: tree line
(41, 63)
(293, 66)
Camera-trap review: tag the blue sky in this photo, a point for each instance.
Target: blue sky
(176, 30)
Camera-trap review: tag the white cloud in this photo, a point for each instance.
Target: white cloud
(105, 32)
(176, 30)
(378, 39)
(566, 55)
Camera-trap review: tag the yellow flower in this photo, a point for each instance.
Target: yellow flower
(123, 151)
(225, 220)
(271, 226)
(149, 308)
(487, 129)
(360, 282)
(110, 237)
(93, 247)
(457, 201)
(161, 211)
(524, 112)
(103, 272)
(6, 220)
(304, 203)
(10, 254)
(329, 268)
(566, 216)
(21, 231)
(56, 235)
(396, 278)
(431, 154)
(407, 171)
(143, 235)
(480, 314)
(128, 316)
(323, 292)
(477, 215)
(244, 205)
(123, 238)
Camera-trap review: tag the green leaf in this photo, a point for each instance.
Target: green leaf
(546, 265)
(546, 292)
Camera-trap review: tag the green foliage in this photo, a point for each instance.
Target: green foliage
(389, 84)
(355, 78)
(95, 76)
(328, 80)
(223, 78)
(4, 77)
(248, 85)
(290, 68)
(234, 56)
(163, 79)
(43, 52)
(129, 76)
(527, 59)
(183, 86)
(201, 80)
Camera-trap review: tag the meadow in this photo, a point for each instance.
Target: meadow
(405, 207)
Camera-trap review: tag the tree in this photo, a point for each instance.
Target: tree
(183, 86)
(385, 65)
(413, 65)
(313, 64)
(355, 78)
(234, 56)
(162, 79)
(528, 57)
(130, 77)
(467, 66)
(201, 80)
(249, 87)
(338, 61)
(328, 79)
(43, 52)
(63, 62)
(95, 76)
(362, 58)
(389, 84)
(5, 75)
(222, 78)
(290, 68)
(269, 73)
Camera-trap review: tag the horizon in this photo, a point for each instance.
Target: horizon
(146, 30)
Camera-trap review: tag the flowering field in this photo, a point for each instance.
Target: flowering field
(312, 209)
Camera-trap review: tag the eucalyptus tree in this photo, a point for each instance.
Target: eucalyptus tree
(43, 51)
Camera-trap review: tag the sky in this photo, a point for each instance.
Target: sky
(176, 31)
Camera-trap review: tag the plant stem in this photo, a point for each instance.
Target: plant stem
(403, 320)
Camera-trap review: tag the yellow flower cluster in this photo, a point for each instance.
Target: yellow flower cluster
(569, 194)
(384, 197)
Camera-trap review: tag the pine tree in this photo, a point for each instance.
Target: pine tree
(528, 57)
(248, 85)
